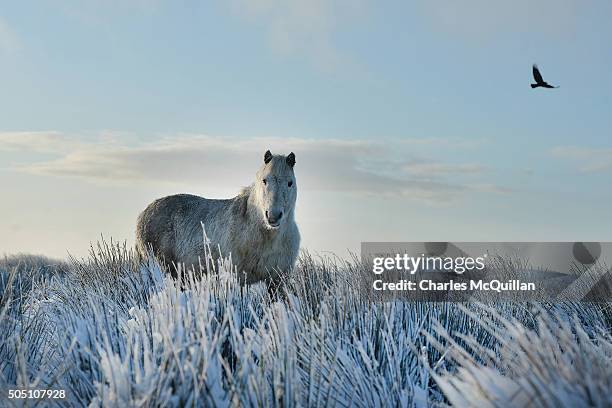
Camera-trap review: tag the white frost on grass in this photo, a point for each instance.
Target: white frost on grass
(113, 332)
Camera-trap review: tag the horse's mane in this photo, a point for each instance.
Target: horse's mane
(241, 201)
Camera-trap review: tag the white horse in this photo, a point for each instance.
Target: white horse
(257, 227)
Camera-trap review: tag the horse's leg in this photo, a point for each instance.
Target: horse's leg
(276, 288)
(272, 289)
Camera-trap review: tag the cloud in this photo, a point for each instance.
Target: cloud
(304, 27)
(478, 18)
(591, 160)
(8, 38)
(41, 142)
(334, 165)
(101, 13)
(432, 169)
(442, 142)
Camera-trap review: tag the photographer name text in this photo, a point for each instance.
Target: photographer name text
(493, 285)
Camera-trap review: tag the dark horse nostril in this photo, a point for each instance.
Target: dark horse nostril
(272, 217)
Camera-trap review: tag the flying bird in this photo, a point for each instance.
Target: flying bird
(539, 80)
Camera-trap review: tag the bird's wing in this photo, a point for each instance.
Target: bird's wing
(536, 74)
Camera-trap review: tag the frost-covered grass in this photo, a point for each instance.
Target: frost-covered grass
(112, 332)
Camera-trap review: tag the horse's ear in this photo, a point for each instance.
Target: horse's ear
(291, 159)
(267, 157)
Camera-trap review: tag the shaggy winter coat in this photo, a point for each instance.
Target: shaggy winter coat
(257, 227)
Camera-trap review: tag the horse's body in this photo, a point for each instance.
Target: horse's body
(257, 227)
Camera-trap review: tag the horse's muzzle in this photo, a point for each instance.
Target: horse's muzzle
(273, 218)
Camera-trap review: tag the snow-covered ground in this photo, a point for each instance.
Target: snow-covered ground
(113, 333)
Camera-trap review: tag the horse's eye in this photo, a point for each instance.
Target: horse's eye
(290, 183)
(265, 181)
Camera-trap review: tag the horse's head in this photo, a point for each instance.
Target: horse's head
(275, 189)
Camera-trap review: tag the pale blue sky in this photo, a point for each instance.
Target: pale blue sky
(409, 120)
